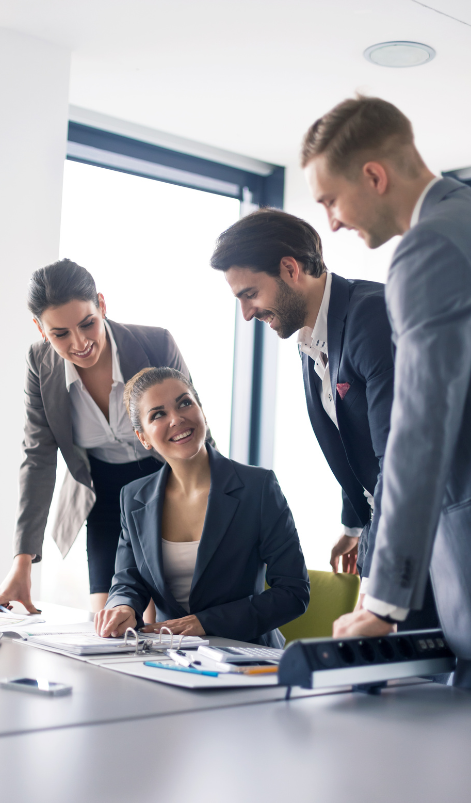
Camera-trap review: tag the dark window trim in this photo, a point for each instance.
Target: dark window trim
(98, 148)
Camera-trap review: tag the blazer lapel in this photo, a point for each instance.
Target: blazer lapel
(338, 307)
(148, 523)
(56, 401)
(132, 357)
(219, 513)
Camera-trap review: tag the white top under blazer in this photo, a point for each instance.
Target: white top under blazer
(113, 441)
(179, 559)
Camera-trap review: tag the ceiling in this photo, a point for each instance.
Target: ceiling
(250, 75)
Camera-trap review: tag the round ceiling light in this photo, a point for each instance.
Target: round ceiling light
(399, 54)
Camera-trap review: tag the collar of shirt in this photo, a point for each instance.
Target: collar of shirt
(418, 207)
(313, 342)
(72, 375)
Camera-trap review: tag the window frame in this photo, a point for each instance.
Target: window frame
(255, 350)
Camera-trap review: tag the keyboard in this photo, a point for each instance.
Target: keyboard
(241, 654)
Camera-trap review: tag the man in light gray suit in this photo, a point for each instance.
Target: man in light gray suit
(362, 165)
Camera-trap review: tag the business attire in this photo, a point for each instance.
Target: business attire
(248, 535)
(348, 373)
(426, 502)
(101, 455)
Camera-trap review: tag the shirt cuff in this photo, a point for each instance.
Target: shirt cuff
(352, 532)
(385, 608)
(364, 585)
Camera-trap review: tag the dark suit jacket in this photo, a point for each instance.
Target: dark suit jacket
(360, 354)
(48, 427)
(248, 524)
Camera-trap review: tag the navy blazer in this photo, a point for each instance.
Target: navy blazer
(360, 355)
(248, 525)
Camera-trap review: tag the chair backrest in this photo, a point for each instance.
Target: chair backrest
(332, 595)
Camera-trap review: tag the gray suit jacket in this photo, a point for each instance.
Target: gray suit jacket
(426, 503)
(48, 427)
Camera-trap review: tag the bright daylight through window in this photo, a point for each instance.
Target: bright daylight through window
(148, 245)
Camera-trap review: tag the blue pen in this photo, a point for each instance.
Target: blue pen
(182, 669)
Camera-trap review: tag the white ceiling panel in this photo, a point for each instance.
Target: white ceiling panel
(250, 76)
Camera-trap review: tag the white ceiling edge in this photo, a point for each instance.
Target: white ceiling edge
(135, 131)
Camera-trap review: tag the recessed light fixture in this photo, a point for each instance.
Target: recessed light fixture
(399, 54)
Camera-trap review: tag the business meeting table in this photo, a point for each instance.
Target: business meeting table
(118, 739)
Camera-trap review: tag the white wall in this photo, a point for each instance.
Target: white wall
(34, 84)
(307, 482)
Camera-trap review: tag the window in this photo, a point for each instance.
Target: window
(148, 244)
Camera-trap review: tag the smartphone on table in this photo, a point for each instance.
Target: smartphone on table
(41, 686)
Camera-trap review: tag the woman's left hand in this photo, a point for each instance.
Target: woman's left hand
(187, 626)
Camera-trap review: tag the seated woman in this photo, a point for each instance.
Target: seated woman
(199, 536)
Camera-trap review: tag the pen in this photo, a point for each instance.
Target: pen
(259, 670)
(181, 669)
(180, 658)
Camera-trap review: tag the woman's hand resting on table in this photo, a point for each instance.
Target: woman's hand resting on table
(186, 626)
(115, 621)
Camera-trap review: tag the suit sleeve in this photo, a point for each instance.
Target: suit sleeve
(128, 586)
(349, 516)
(429, 298)
(286, 574)
(37, 470)
(374, 357)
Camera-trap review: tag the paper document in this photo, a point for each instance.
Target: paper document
(9, 620)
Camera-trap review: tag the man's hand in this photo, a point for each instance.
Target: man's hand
(186, 626)
(16, 586)
(361, 623)
(115, 621)
(346, 548)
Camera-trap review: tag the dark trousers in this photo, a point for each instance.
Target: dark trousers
(104, 521)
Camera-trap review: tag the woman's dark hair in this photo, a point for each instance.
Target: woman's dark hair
(260, 240)
(140, 384)
(59, 283)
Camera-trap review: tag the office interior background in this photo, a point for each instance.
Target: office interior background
(133, 134)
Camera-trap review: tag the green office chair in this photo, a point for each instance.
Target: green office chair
(331, 596)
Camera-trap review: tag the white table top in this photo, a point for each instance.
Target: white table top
(408, 745)
(99, 695)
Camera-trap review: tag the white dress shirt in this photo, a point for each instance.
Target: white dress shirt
(113, 441)
(371, 603)
(179, 559)
(313, 342)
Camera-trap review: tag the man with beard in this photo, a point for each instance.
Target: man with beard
(274, 265)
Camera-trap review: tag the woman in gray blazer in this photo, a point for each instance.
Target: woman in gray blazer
(74, 402)
(200, 536)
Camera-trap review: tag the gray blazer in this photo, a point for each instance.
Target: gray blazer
(426, 503)
(48, 427)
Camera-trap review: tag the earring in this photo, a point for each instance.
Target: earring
(44, 339)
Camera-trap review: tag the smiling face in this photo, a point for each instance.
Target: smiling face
(172, 421)
(359, 203)
(76, 330)
(268, 298)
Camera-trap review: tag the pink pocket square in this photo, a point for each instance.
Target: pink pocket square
(342, 388)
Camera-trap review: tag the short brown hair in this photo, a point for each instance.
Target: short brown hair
(355, 128)
(260, 240)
